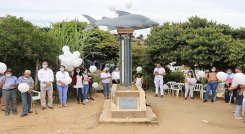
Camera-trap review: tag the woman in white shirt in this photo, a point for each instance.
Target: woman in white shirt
(189, 85)
(106, 79)
(77, 82)
(61, 86)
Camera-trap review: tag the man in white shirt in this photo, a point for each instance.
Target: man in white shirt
(106, 79)
(46, 77)
(159, 72)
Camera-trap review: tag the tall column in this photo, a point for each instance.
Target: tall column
(125, 56)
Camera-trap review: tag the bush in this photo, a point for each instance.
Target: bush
(174, 76)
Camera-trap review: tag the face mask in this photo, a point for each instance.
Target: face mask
(213, 70)
(189, 74)
(8, 75)
(62, 69)
(229, 72)
(78, 71)
(44, 66)
(117, 69)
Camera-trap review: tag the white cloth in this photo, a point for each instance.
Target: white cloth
(158, 83)
(104, 75)
(138, 81)
(85, 79)
(79, 83)
(160, 70)
(114, 73)
(45, 75)
(60, 76)
(189, 88)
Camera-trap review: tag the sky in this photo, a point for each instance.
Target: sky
(43, 12)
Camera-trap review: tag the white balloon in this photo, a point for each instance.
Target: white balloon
(165, 86)
(112, 7)
(67, 53)
(23, 87)
(201, 74)
(139, 69)
(221, 76)
(72, 57)
(193, 81)
(76, 54)
(65, 48)
(239, 78)
(92, 69)
(3, 67)
(95, 85)
(67, 62)
(67, 80)
(76, 63)
(61, 57)
(116, 76)
(128, 4)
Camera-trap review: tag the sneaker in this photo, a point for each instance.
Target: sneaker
(30, 112)
(161, 96)
(156, 95)
(192, 98)
(43, 108)
(51, 108)
(205, 101)
(23, 115)
(212, 100)
(185, 98)
(65, 105)
(238, 118)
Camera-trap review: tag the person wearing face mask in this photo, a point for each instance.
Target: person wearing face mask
(61, 86)
(77, 82)
(1, 95)
(159, 72)
(85, 86)
(106, 79)
(189, 85)
(26, 96)
(114, 73)
(90, 82)
(228, 82)
(8, 85)
(46, 78)
(212, 84)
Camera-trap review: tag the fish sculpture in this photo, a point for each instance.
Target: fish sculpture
(124, 20)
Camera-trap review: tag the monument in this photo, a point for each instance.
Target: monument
(127, 103)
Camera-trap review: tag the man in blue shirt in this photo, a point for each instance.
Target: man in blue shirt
(8, 85)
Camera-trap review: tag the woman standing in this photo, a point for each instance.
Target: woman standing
(139, 78)
(212, 84)
(85, 86)
(77, 83)
(106, 76)
(61, 86)
(228, 82)
(189, 85)
(115, 74)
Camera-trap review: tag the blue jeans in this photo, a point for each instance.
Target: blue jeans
(238, 110)
(62, 94)
(106, 89)
(26, 102)
(85, 91)
(211, 86)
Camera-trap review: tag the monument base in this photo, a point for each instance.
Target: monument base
(127, 106)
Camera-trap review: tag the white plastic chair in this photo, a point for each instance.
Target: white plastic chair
(178, 88)
(170, 86)
(220, 89)
(243, 104)
(35, 98)
(198, 88)
(203, 91)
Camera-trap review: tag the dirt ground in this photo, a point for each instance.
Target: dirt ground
(175, 116)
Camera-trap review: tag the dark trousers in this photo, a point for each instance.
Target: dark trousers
(10, 97)
(26, 102)
(78, 94)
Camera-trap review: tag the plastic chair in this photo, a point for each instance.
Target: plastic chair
(220, 89)
(170, 86)
(35, 98)
(203, 91)
(198, 88)
(178, 88)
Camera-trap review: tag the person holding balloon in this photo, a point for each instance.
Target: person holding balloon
(78, 83)
(159, 72)
(8, 84)
(62, 85)
(212, 84)
(190, 81)
(46, 78)
(26, 92)
(139, 76)
(85, 86)
(228, 82)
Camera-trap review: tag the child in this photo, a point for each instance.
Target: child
(239, 99)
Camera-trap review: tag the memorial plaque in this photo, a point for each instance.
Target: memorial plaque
(128, 103)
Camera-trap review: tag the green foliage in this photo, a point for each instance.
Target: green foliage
(198, 42)
(174, 76)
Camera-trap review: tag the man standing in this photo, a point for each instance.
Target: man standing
(159, 72)
(26, 96)
(46, 77)
(8, 85)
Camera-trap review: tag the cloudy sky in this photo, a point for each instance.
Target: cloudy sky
(42, 12)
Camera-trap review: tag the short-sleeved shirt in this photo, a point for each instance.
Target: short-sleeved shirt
(28, 80)
(160, 70)
(8, 82)
(60, 76)
(105, 75)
